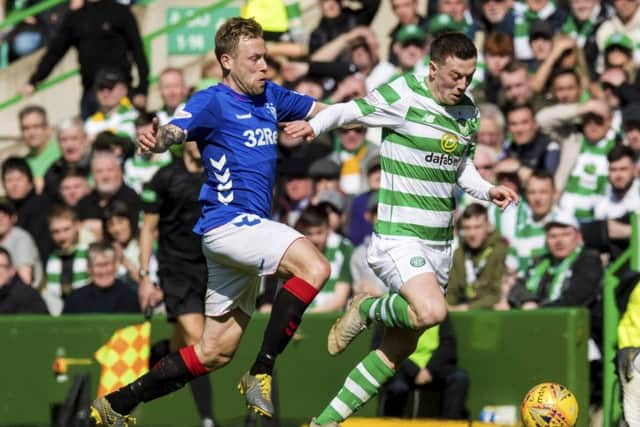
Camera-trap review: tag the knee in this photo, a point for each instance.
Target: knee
(459, 377)
(428, 315)
(213, 356)
(317, 272)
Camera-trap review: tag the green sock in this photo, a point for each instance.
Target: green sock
(392, 310)
(361, 384)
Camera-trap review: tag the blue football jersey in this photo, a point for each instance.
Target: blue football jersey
(237, 136)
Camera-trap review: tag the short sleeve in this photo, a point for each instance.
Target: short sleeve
(198, 117)
(291, 105)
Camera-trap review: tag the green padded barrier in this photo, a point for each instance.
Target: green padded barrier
(504, 352)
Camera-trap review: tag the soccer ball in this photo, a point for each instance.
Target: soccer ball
(549, 404)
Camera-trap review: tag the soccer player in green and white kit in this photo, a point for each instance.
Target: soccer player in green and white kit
(428, 140)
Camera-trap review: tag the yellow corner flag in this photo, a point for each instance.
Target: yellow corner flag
(124, 357)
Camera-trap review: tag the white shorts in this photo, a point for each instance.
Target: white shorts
(238, 254)
(395, 261)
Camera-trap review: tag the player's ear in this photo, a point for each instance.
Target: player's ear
(226, 62)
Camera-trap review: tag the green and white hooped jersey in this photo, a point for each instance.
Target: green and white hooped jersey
(338, 251)
(423, 145)
(139, 170)
(120, 122)
(587, 184)
(525, 235)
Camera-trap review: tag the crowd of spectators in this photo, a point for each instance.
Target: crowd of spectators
(557, 86)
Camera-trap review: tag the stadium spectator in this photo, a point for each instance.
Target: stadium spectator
(569, 275)
(514, 82)
(115, 112)
(478, 263)
(583, 22)
(484, 160)
(314, 224)
(31, 208)
(123, 236)
(173, 92)
(325, 174)
(109, 186)
(564, 54)
(335, 205)
(364, 278)
(105, 293)
(363, 51)
(67, 267)
(298, 189)
(460, 15)
(566, 87)
(352, 155)
(492, 127)
(105, 34)
(139, 169)
(36, 135)
(631, 127)
(15, 296)
(583, 169)
(625, 21)
(337, 20)
(618, 53)
(75, 150)
(21, 247)
(409, 47)
(498, 54)
(541, 42)
(523, 227)
(358, 225)
(406, 11)
(528, 144)
(171, 209)
(498, 16)
(74, 185)
(623, 191)
(432, 366)
(528, 13)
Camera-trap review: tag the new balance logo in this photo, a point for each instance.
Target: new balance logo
(243, 116)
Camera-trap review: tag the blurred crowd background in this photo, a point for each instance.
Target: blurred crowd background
(558, 90)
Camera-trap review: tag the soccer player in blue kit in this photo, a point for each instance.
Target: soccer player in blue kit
(235, 125)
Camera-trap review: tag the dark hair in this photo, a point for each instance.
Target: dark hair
(5, 252)
(75, 171)
(543, 175)
(620, 151)
(17, 164)
(118, 208)
(473, 210)
(31, 109)
(565, 72)
(144, 118)
(230, 33)
(455, 45)
(511, 107)
(312, 216)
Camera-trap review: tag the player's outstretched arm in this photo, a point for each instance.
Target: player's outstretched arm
(469, 180)
(328, 118)
(159, 139)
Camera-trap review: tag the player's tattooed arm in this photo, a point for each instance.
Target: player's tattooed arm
(167, 136)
